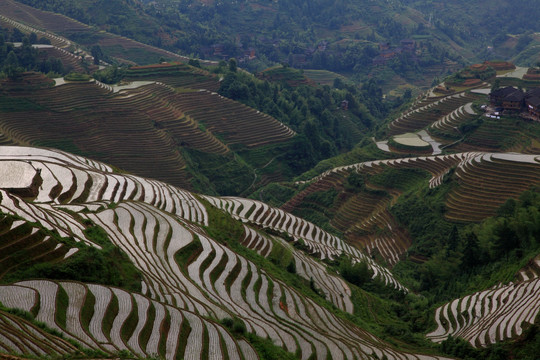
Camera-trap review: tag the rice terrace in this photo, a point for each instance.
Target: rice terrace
(269, 180)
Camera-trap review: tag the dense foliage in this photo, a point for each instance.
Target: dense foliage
(16, 59)
(338, 35)
(462, 259)
(108, 266)
(316, 113)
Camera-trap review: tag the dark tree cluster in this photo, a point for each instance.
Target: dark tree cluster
(17, 55)
(313, 112)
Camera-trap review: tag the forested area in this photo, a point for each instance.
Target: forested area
(313, 112)
(465, 258)
(338, 35)
(16, 59)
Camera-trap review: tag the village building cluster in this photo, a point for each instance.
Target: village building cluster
(517, 100)
(388, 52)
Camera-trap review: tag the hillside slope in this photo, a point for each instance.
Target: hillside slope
(142, 127)
(363, 39)
(181, 246)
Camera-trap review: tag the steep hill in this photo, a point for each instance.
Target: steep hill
(397, 42)
(67, 32)
(141, 127)
(194, 271)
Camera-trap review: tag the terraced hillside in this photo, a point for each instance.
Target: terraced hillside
(70, 61)
(455, 122)
(174, 74)
(19, 336)
(140, 127)
(29, 19)
(319, 242)
(236, 123)
(111, 319)
(428, 112)
(489, 316)
(485, 182)
(188, 277)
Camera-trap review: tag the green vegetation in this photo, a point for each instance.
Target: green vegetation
(8, 104)
(218, 174)
(108, 266)
(110, 75)
(400, 179)
(365, 150)
(282, 257)
(14, 60)
(235, 326)
(267, 350)
(274, 194)
(459, 259)
(317, 208)
(189, 252)
(356, 274)
(311, 111)
(77, 77)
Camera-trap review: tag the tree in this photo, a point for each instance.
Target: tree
(33, 38)
(338, 83)
(471, 251)
(508, 208)
(505, 239)
(194, 62)
(496, 85)
(11, 59)
(357, 273)
(44, 40)
(453, 238)
(232, 65)
(97, 54)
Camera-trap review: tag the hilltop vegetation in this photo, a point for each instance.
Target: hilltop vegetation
(14, 60)
(342, 36)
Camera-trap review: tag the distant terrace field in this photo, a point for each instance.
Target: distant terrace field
(139, 129)
(175, 74)
(122, 48)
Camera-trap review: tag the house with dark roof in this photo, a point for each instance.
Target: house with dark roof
(532, 103)
(534, 92)
(512, 99)
(408, 44)
(533, 107)
(507, 95)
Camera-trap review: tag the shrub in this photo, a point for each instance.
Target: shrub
(77, 77)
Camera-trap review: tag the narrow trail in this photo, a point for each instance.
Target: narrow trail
(255, 172)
